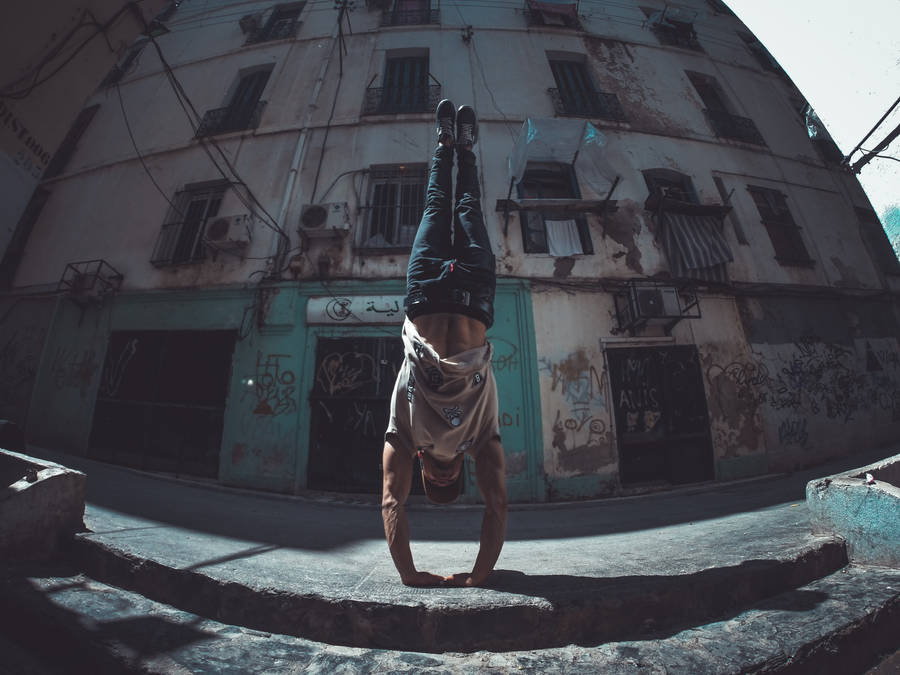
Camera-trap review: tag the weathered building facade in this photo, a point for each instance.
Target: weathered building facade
(691, 288)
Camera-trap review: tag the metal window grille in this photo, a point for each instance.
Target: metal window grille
(244, 111)
(395, 208)
(406, 88)
(411, 13)
(280, 26)
(181, 237)
(677, 34)
(783, 232)
(575, 94)
(724, 124)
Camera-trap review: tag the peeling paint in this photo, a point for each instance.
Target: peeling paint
(849, 278)
(562, 267)
(623, 227)
(516, 463)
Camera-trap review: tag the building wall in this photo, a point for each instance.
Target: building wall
(37, 108)
(795, 363)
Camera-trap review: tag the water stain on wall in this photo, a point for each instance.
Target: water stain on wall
(623, 227)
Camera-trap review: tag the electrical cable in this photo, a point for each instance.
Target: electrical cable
(36, 80)
(872, 131)
(337, 90)
(141, 157)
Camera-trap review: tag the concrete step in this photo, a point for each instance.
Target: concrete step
(514, 611)
(842, 623)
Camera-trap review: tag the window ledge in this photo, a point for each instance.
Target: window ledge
(792, 262)
(598, 206)
(382, 250)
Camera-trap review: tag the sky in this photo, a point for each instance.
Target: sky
(844, 56)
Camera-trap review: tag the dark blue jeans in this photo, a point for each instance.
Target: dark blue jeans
(452, 274)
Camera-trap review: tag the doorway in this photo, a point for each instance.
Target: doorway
(161, 403)
(662, 419)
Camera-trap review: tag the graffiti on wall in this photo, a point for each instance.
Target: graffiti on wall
(74, 368)
(274, 385)
(808, 379)
(114, 371)
(580, 431)
(343, 373)
(20, 353)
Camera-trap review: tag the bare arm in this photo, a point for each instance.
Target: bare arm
(490, 470)
(398, 469)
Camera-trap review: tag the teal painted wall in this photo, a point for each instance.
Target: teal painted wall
(267, 415)
(24, 322)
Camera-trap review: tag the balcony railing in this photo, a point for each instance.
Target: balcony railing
(393, 100)
(726, 125)
(225, 120)
(536, 17)
(278, 30)
(681, 35)
(419, 17)
(178, 242)
(596, 104)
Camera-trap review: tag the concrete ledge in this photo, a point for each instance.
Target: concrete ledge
(843, 623)
(866, 516)
(41, 506)
(589, 612)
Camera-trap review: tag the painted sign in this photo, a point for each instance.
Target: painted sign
(355, 309)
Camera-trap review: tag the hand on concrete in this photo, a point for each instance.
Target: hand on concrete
(423, 579)
(463, 579)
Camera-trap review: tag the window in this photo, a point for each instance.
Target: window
(181, 238)
(70, 142)
(671, 184)
(245, 108)
(779, 223)
(575, 93)
(410, 13)
(551, 231)
(396, 202)
(732, 216)
(674, 26)
(879, 245)
(552, 13)
(760, 53)
(282, 24)
(406, 88)
(723, 122)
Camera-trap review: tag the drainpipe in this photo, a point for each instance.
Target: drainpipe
(300, 152)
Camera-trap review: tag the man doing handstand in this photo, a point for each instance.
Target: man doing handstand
(444, 403)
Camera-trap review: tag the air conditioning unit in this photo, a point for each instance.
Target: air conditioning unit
(250, 23)
(324, 220)
(661, 301)
(228, 232)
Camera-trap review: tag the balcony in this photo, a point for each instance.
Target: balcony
(395, 100)
(677, 34)
(225, 120)
(420, 17)
(596, 104)
(281, 29)
(563, 15)
(726, 125)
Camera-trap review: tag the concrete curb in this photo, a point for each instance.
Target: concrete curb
(595, 611)
(41, 506)
(866, 516)
(844, 623)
